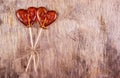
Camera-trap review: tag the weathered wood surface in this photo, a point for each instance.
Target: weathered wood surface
(82, 43)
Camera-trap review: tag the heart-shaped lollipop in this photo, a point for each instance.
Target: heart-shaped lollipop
(27, 17)
(45, 17)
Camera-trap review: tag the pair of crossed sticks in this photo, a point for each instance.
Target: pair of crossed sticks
(32, 50)
(33, 47)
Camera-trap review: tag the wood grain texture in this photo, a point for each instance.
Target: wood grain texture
(82, 43)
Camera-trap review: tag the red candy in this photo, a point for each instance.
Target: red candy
(27, 17)
(41, 15)
(45, 17)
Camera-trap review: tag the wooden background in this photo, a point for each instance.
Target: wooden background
(82, 43)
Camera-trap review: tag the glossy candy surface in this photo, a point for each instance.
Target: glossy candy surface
(41, 15)
(27, 17)
(45, 17)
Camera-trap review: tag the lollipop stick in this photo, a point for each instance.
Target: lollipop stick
(28, 63)
(35, 68)
(39, 34)
(31, 40)
(30, 32)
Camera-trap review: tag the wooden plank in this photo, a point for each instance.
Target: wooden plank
(82, 43)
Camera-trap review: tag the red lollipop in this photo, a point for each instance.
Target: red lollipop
(45, 17)
(27, 17)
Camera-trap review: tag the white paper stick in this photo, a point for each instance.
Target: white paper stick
(35, 66)
(29, 62)
(39, 34)
(31, 39)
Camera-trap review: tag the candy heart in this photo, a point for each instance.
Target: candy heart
(45, 17)
(27, 17)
